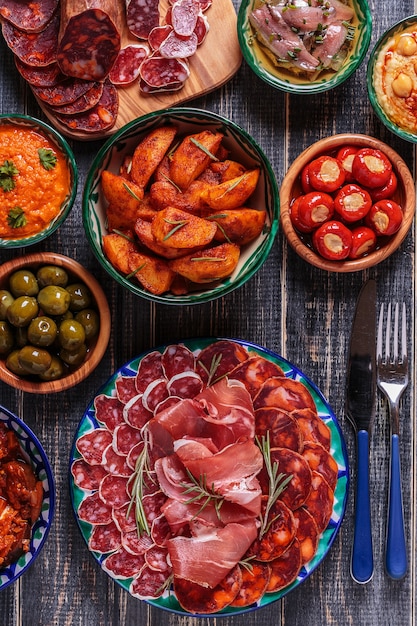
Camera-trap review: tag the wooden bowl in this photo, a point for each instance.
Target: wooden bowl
(98, 346)
(291, 189)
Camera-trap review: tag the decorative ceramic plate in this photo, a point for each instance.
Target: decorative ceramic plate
(117, 389)
(263, 66)
(34, 454)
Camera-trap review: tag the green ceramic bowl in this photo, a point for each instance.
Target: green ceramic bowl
(262, 65)
(399, 27)
(241, 148)
(61, 145)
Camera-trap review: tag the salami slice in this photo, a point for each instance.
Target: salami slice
(176, 47)
(142, 16)
(312, 427)
(160, 531)
(135, 413)
(92, 445)
(219, 359)
(149, 369)
(320, 460)
(134, 543)
(203, 600)
(254, 372)
(177, 359)
(320, 501)
(159, 72)
(94, 511)
(84, 103)
(104, 539)
(157, 559)
(113, 490)
(307, 533)
(185, 385)
(124, 518)
(125, 388)
(126, 68)
(36, 49)
(281, 428)
(184, 15)
(285, 569)
(87, 476)
(109, 411)
(148, 89)
(284, 393)
(45, 76)
(255, 580)
(149, 584)
(202, 27)
(154, 394)
(30, 17)
(125, 437)
(158, 35)
(100, 118)
(89, 39)
(122, 564)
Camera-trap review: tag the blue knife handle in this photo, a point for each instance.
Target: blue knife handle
(396, 550)
(362, 565)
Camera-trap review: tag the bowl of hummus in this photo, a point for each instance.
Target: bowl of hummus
(38, 180)
(392, 78)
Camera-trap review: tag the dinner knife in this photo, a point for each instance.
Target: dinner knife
(360, 406)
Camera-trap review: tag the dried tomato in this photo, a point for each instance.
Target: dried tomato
(363, 242)
(371, 167)
(352, 202)
(385, 217)
(326, 174)
(333, 240)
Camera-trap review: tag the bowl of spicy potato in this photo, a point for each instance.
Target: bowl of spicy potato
(27, 497)
(54, 323)
(181, 206)
(38, 180)
(347, 202)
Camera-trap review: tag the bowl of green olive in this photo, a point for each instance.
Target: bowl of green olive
(54, 323)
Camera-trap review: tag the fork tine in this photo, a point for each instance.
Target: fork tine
(396, 332)
(404, 334)
(380, 331)
(388, 335)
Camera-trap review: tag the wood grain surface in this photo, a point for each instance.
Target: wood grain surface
(217, 59)
(289, 306)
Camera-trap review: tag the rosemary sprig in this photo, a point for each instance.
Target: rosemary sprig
(167, 178)
(203, 148)
(141, 473)
(177, 225)
(122, 234)
(218, 217)
(208, 258)
(135, 271)
(203, 494)
(132, 193)
(214, 365)
(277, 483)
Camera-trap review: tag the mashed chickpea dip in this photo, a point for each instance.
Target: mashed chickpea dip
(34, 181)
(395, 79)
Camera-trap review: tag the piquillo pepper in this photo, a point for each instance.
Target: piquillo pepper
(371, 168)
(333, 240)
(326, 174)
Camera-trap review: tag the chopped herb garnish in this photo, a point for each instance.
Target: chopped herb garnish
(7, 171)
(16, 217)
(171, 182)
(47, 158)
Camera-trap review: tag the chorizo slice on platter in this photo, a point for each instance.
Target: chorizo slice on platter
(307, 533)
(34, 49)
(254, 372)
(291, 463)
(197, 599)
(284, 393)
(219, 359)
(29, 17)
(279, 534)
(321, 461)
(285, 569)
(312, 427)
(100, 118)
(320, 501)
(44, 76)
(280, 426)
(255, 579)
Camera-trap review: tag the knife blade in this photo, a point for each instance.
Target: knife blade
(360, 407)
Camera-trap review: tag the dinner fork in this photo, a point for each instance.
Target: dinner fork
(392, 379)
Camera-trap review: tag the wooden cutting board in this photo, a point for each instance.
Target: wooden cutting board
(217, 59)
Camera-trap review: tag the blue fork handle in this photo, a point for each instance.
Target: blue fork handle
(396, 550)
(362, 565)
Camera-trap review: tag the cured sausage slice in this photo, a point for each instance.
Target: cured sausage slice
(125, 437)
(321, 461)
(254, 372)
(114, 463)
(109, 411)
(122, 564)
(105, 538)
(176, 47)
(177, 359)
(155, 393)
(149, 584)
(125, 388)
(159, 72)
(84, 103)
(100, 118)
(312, 427)
(89, 38)
(124, 518)
(184, 15)
(279, 535)
(149, 369)
(203, 600)
(158, 34)
(30, 17)
(291, 463)
(135, 544)
(202, 27)
(141, 17)
(320, 501)
(280, 426)
(307, 533)
(45, 76)
(135, 413)
(92, 445)
(157, 559)
(87, 476)
(37, 49)
(284, 393)
(219, 359)
(185, 385)
(94, 511)
(255, 580)
(64, 92)
(113, 490)
(284, 570)
(126, 68)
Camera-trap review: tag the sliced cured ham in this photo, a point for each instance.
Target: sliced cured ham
(206, 560)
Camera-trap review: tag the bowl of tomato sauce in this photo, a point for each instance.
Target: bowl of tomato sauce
(38, 180)
(347, 202)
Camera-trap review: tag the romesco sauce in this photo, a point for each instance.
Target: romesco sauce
(34, 181)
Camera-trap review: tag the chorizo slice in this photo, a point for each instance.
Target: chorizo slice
(284, 393)
(307, 533)
(313, 427)
(280, 426)
(320, 501)
(285, 569)
(219, 359)
(44, 76)
(35, 49)
(30, 17)
(254, 372)
(84, 103)
(320, 460)
(202, 600)
(290, 463)
(279, 534)
(63, 93)
(100, 118)
(255, 579)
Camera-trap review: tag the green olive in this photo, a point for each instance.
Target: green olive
(42, 331)
(54, 300)
(90, 320)
(6, 338)
(22, 311)
(6, 299)
(12, 364)
(71, 335)
(34, 360)
(80, 296)
(52, 275)
(73, 358)
(56, 370)
(21, 336)
(23, 283)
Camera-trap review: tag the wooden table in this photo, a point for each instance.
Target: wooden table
(290, 307)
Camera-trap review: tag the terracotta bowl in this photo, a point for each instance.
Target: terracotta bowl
(291, 189)
(96, 348)
(60, 145)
